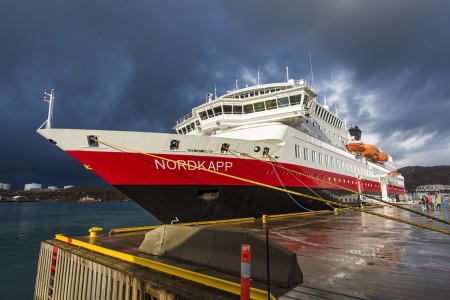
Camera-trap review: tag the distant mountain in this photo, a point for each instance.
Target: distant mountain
(416, 176)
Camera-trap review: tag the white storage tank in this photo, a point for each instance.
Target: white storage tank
(5, 186)
(32, 186)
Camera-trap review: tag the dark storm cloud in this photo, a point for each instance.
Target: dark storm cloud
(140, 65)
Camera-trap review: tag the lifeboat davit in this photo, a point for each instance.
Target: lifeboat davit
(370, 151)
(355, 146)
(382, 157)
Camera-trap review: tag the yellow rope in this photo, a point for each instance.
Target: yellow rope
(277, 188)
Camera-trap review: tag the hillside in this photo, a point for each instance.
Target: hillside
(417, 175)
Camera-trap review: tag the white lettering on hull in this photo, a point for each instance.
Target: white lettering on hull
(191, 165)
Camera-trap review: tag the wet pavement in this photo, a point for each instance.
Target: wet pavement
(358, 254)
(370, 257)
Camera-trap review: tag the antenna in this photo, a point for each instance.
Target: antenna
(287, 73)
(312, 74)
(215, 91)
(259, 78)
(237, 80)
(50, 98)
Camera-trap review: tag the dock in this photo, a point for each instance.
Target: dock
(342, 255)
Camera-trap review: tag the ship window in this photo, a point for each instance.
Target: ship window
(295, 100)
(283, 102)
(210, 113)
(259, 106)
(174, 144)
(203, 115)
(305, 100)
(313, 156)
(266, 151)
(217, 110)
(224, 147)
(271, 104)
(248, 108)
(197, 122)
(227, 109)
(237, 109)
(184, 130)
(305, 154)
(297, 151)
(92, 141)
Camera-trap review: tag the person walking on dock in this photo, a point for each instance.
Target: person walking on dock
(429, 202)
(438, 202)
(423, 200)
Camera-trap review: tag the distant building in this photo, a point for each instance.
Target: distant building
(53, 188)
(5, 186)
(433, 188)
(32, 186)
(68, 186)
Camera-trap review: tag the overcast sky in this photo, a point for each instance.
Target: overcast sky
(142, 64)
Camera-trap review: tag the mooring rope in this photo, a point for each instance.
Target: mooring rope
(360, 209)
(352, 191)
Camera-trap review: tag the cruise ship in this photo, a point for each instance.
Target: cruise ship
(259, 150)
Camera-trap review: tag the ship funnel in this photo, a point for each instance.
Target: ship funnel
(355, 132)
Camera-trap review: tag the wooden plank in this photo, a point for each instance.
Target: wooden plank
(121, 286)
(85, 276)
(41, 285)
(127, 287)
(115, 286)
(89, 280)
(78, 277)
(104, 284)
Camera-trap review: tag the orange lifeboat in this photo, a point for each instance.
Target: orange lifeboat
(355, 146)
(382, 156)
(370, 151)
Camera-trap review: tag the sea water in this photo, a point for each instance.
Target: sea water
(24, 225)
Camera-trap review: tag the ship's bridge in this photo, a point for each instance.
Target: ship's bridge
(288, 103)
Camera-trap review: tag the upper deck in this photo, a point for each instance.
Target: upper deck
(287, 102)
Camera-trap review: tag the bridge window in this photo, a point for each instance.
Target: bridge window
(271, 104)
(203, 115)
(295, 100)
(227, 109)
(283, 102)
(237, 109)
(210, 113)
(259, 106)
(248, 108)
(217, 110)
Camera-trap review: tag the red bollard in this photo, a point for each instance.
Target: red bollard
(245, 272)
